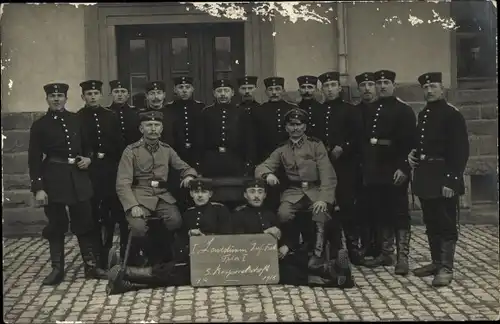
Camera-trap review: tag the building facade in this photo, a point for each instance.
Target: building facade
(137, 42)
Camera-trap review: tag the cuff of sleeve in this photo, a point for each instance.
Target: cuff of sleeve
(36, 185)
(452, 181)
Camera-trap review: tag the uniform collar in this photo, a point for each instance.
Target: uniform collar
(440, 102)
(334, 101)
(115, 105)
(298, 143)
(152, 147)
(56, 112)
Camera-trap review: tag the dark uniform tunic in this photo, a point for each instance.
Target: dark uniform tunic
(315, 117)
(128, 122)
(248, 106)
(61, 137)
(443, 149)
(226, 140)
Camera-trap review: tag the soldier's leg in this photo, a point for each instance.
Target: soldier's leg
(83, 227)
(346, 214)
(430, 212)
(290, 231)
(108, 222)
(326, 229)
(447, 231)
(403, 229)
(293, 268)
(54, 233)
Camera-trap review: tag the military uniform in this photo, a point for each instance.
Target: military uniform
(316, 123)
(442, 148)
(226, 139)
(102, 128)
(248, 106)
(389, 130)
(61, 137)
(310, 178)
(340, 124)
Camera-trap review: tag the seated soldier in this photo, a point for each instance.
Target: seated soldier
(150, 209)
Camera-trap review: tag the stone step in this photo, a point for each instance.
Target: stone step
(13, 121)
(18, 198)
(473, 96)
(16, 141)
(15, 163)
(16, 181)
(485, 164)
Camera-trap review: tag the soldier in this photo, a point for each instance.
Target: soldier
(246, 87)
(61, 180)
(308, 86)
(310, 185)
(150, 209)
(268, 120)
(103, 130)
(438, 159)
(155, 101)
(184, 112)
(390, 127)
(339, 125)
(225, 137)
(370, 234)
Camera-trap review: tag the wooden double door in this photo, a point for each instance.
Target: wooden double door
(205, 52)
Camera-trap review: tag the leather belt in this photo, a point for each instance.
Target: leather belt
(379, 141)
(150, 183)
(305, 184)
(61, 160)
(100, 155)
(424, 157)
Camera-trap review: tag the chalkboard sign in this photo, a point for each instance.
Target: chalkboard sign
(233, 260)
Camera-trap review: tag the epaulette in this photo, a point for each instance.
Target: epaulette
(163, 144)
(240, 207)
(170, 102)
(283, 143)
(452, 106)
(313, 139)
(206, 107)
(216, 203)
(191, 208)
(107, 109)
(197, 101)
(292, 103)
(401, 101)
(136, 144)
(132, 107)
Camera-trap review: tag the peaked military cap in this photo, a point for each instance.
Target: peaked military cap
(200, 184)
(151, 115)
(274, 81)
(307, 79)
(385, 74)
(255, 183)
(247, 80)
(183, 80)
(222, 83)
(329, 76)
(296, 114)
(56, 88)
(155, 85)
(91, 85)
(117, 84)
(430, 77)
(365, 76)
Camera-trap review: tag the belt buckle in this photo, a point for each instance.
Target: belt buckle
(422, 156)
(373, 140)
(155, 184)
(71, 160)
(305, 185)
(222, 149)
(100, 155)
(188, 145)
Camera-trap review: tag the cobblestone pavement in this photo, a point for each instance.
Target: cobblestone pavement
(381, 296)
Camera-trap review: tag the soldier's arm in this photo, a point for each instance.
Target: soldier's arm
(270, 165)
(124, 179)
(117, 138)
(406, 130)
(250, 140)
(177, 163)
(457, 150)
(35, 157)
(326, 174)
(353, 129)
(87, 149)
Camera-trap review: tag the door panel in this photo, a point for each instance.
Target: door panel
(162, 52)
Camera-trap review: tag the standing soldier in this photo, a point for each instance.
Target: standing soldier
(308, 86)
(268, 119)
(61, 180)
(129, 125)
(310, 186)
(102, 128)
(155, 101)
(438, 159)
(339, 125)
(369, 230)
(390, 128)
(246, 87)
(225, 137)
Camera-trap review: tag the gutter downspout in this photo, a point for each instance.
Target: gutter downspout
(342, 66)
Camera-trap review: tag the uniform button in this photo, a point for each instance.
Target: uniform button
(223, 121)
(65, 130)
(67, 136)
(64, 125)
(121, 116)
(186, 117)
(98, 131)
(425, 116)
(375, 120)
(424, 122)
(422, 136)
(69, 148)
(69, 143)
(376, 114)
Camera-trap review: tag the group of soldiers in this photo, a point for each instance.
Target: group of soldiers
(172, 170)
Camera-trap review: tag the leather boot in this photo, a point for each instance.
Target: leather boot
(118, 284)
(107, 243)
(353, 248)
(340, 270)
(403, 250)
(114, 257)
(432, 268)
(90, 250)
(386, 257)
(316, 261)
(444, 274)
(56, 248)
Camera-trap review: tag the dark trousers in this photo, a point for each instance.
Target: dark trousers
(440, 217)
(402, 218)
(106, 213)
(157, 243)
(80, 215)
(293, 268)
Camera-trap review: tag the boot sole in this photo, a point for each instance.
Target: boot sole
(113, 276)
(343, 264)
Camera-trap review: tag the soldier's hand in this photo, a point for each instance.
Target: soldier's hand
(272, 180)
(337, 151)
(412, 159)
(195, 232)
(83, 163)
(447, 192)
(137, 212)
(185, 182)
(274, 231)
(399, 177)
(41, 198)
(283, 251)
(319, 207)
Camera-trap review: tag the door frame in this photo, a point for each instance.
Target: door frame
(101, 61)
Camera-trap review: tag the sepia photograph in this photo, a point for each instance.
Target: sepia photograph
(291, 161)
